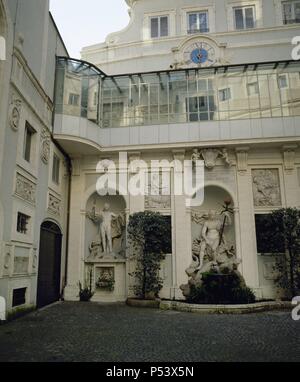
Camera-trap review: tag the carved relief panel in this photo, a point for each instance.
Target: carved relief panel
(266, 187)
(14, 112)
(158, 194)
(45, 145)
(54, 205)
(25, 189)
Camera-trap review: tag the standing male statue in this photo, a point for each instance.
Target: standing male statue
(110, 225)
(106, 217)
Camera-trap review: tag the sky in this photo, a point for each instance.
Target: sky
(87, 22)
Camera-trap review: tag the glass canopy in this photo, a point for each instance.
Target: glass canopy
(178, 96)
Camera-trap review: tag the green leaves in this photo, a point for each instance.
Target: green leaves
(149, 238)
(227, 288)
(281, 232)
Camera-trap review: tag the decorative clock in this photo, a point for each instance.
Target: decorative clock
(200, 54)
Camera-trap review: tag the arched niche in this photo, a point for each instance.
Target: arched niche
(95, 204)
(214, 199)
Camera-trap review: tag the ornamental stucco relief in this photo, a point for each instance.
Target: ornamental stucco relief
(45, 145)
(14, 112)
(266, 187)
(25, 189)
(210, 157)
(54, 205)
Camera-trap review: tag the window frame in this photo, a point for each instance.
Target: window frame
(159, 17)
(226, 99)
(293, 3)
(243, 8)
(74, 96)
(198, 30)
(23, 230)
(28, 142)
(256, 83)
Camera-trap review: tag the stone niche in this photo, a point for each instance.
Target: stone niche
(213, 200)
(105, 247)
(213, 237)
(93, 238)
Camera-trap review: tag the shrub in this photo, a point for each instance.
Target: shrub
(282, 233)
(86, 293)
(149, 237)
(226, 288)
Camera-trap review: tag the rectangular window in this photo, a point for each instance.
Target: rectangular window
(265, 244)
(244, 17)
(22, 223)
(55, 169)
(224, 94)
(74, 99)
(19, 297)
(159, 26)
(282, 82)
(201, 108)
(198, 22)
(252, 88)
(291, 12)
(168, 240)
(29, 132)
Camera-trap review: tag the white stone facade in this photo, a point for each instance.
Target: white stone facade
(262, 142)
(26, 186)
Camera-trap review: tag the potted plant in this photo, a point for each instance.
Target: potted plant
(86, 293)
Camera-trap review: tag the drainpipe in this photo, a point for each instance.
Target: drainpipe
(68, 221)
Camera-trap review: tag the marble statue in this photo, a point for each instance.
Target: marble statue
(111, 226)
(211, 250)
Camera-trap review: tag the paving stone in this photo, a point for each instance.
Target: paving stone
(114, 333)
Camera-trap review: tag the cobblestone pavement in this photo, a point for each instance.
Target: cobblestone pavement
(115, 333)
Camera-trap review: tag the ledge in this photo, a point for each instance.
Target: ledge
(225, 309)
(134, 302)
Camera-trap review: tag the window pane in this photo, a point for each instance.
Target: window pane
(287, 13)
(203, 22)
(164, 28)
(297, 12)
(193, 22)
(27, 141)
(249, 13)
(239, 19)
(154, 27)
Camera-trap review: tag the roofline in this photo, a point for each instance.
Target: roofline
(83, 62)
(59, 34)
(168, 71)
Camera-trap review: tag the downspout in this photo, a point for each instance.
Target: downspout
(68, 221)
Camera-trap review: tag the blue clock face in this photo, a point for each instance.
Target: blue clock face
(199, 56)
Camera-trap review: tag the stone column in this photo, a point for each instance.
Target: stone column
(74, 254)
(135, 204)
(291, 181)
(182, 240)
(246, 222)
